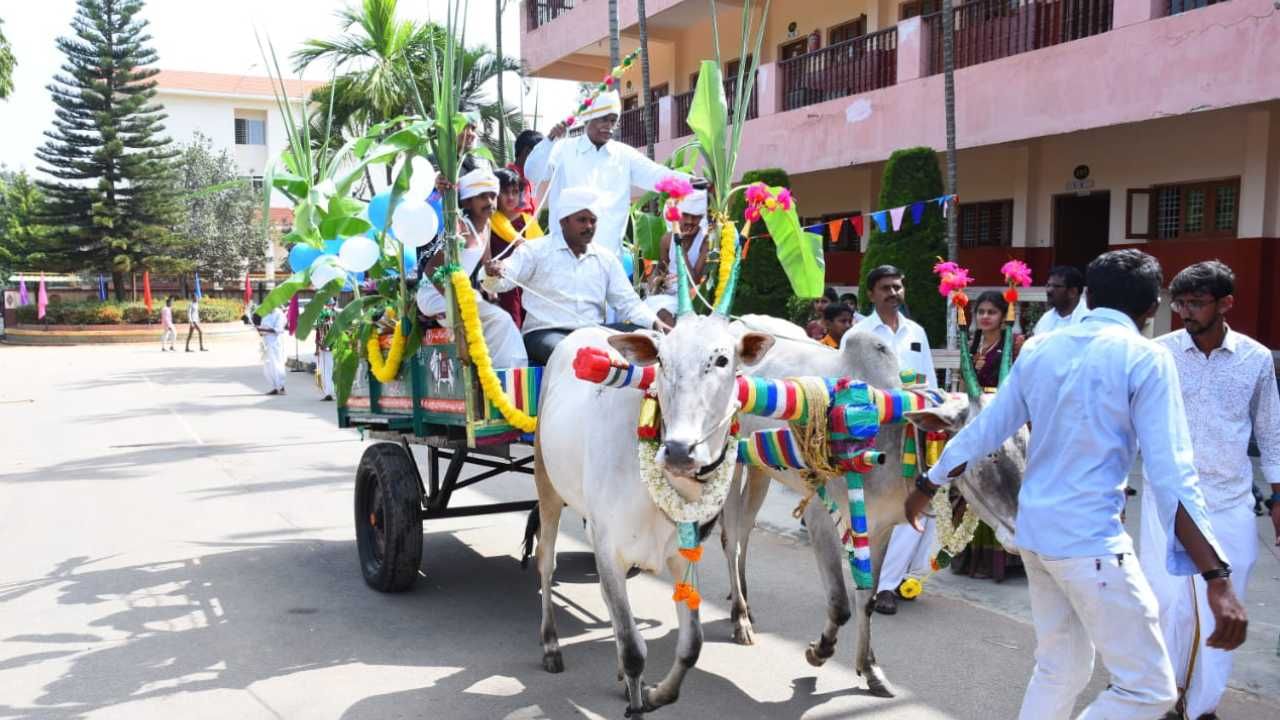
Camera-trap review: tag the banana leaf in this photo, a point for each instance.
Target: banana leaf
(708, 116)
(799, 252)
(649, 230)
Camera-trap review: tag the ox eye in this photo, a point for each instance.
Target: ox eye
(722, 361)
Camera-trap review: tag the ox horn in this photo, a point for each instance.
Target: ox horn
(731, 285)
(684, 303)
(971, 386)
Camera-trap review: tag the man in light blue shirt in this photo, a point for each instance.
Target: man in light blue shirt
(1094, 393)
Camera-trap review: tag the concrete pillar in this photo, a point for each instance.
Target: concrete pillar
(768, 89)
(1130, 12)
(666, 119)
(912, 49)
(1253, 176)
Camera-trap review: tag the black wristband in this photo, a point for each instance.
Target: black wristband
(1216, 573)
(925, 487)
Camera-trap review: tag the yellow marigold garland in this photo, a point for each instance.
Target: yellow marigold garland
(386, 370)
(489, 382)
(728, 248)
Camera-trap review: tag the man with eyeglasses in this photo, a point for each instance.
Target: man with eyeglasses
(1229, 389)
(1065, 290)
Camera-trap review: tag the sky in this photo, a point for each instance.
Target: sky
(220, 37)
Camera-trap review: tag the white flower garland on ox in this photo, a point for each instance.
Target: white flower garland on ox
(669, 500)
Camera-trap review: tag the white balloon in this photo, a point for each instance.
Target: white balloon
(325, 270)
(423, 180)
(415, 223)
(358, 253)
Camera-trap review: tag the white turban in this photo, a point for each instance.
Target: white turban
(477, 182)
(694, 203)
(606, 103)
(576, 199)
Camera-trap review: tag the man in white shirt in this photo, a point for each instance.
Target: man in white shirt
(272, 328)
(909, 549)
(1229, 382)
(595, 160)
(569, 281)
(1093, 393)
(1065, 290)
(193, 320)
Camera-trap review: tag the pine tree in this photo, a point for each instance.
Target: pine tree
(113, 203)
(6, 66)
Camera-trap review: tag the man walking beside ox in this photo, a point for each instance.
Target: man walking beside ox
(1094, 392)
(1229, 385)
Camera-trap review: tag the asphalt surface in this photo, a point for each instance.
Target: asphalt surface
(174, 544)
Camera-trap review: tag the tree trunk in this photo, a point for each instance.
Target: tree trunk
(502, 105)
(615, 55)
(949, 101)
(117, 285)
(647, 112)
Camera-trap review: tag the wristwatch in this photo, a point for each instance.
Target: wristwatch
(925, 487)
(1216, 573)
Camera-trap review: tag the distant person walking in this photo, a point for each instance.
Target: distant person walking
(271, 328)
(324, 348)
(170, 333)
(193, 324)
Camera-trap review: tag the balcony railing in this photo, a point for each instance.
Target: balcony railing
(631, 125)
(682, 102)
(854, 66)
(987, 30)
(542, 12)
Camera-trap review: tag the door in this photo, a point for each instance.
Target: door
(1081, 228)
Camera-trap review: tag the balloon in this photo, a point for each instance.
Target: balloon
(332, 247)
(423, 182)
(378, 208)
(324, 271)
(628, 262)
(358, 253)
(437, 202)
(301, 256)
(353, 278)
(410, 262)
(415, 223)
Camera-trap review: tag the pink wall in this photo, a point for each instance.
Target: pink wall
(586, 23)
(1221, 56)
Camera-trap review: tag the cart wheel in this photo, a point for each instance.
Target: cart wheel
(388, 518)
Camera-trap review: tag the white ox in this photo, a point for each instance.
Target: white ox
(991, 487)
(586, 456)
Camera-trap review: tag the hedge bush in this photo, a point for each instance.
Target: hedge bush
(910, 175)
(212, 310)
(762, 283)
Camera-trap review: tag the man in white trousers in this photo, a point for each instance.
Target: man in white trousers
(1229, 380)
(909, 549)
(272, 328)
(1094, 392)
(324, 349)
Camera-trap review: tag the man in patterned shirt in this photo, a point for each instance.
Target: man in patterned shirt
(1229, 390)
(324, 348)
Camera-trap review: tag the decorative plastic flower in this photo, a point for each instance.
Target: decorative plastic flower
(1016, 272)
(677, 188)
(945, 266)
(784, 198)
(752, 214)
(771, 204)
(757, 193)
(587, 103)
(608, 79)
(960, 300)
(1011, 295)
(570, 121)
(673, 213)
(951, 281)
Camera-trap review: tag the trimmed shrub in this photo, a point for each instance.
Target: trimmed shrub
(911, 175)
(212, 310)
(762, 283)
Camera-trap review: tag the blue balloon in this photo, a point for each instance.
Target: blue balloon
(410, 262)
(628, 262)
(437, 203)
(379, 210)
(301, 256)
(331, 247)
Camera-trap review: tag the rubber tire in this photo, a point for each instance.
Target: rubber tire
(385, 465)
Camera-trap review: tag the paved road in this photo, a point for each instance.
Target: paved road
(176, 545)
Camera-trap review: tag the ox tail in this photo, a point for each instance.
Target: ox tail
(531, 528)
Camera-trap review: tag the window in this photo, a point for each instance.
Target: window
(251, 132)
(1180, 6)
(795, 48)
(986, 224)
(731, 68)
(1196, 210)
(918, 7)
(255, 182)
(848, 31)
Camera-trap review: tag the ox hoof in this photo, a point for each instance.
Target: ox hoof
(744, 634)
(553, 662)
(811, 655)
(876, 684)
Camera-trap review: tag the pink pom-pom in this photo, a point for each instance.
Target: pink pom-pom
(673, 213)
(943, 267)
(587, 103)
(1016, 272)
(784, 198)
(608, 79)
(757, 193)
(677, 188)
(752, 214)
(570, 121)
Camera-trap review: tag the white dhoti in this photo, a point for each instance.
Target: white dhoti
(273, 362)
(908, 554)
(1103, 603)
(1186, 622)
(661, 301)
(324, 366)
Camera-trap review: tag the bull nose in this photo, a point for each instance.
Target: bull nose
(679, 453)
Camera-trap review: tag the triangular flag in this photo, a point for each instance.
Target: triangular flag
(291, 320)
(856, 221)
(146, 289)
(815, 228)
(896, 214)
(834, 227)
(102, 288)
(248, 290)
(882, 220)
(23, 297)
(198, 293)
(917, 212)
(42, 299)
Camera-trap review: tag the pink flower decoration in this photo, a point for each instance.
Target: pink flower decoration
(587, 103)
(673, 213)
(677, 188)
(945, 266)
(1016, 272)
(757, 193)
(784, 198)
(952, 280)
(608, 79)
(752, 214)
(570, 121)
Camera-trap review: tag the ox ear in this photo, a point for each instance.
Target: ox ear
(950, 416)
(753, 346)
(637, 348)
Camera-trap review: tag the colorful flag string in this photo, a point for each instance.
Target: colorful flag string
(887, 220)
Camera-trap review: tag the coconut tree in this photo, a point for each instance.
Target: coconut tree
(949, 107)
(615, 54)
(647, 113)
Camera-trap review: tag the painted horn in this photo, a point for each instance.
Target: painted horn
(731, 285)
(684, 303)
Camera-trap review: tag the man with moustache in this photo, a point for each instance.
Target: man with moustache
(1065, 292)
(1229, 389)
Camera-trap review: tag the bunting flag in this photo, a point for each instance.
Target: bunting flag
(917, 212)
(856, 221)
(248, 290)
(42, 299)
(102, 288)
(146, 289)
(896, 215)
(835, 226)
(882, 220)
(198, 293)
(815, 228)
(23, 297)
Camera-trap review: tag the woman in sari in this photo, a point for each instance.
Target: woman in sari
(511, 227)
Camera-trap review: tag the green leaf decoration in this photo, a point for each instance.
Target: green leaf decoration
(708, 116)
(283, 292)
(311, 313)
(799, 252)
(346, 362)
(649, 230)
(343, 227)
